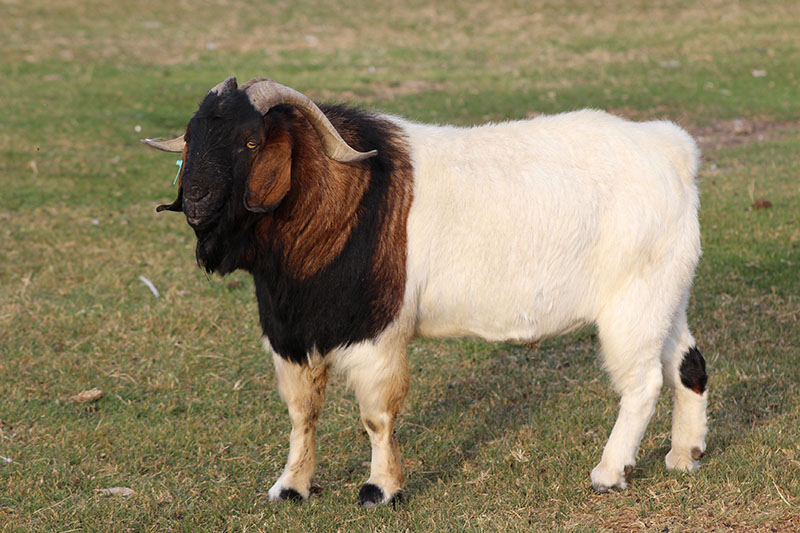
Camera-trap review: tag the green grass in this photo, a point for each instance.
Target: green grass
(495, 436)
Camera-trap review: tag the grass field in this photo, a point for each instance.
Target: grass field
(496, 437)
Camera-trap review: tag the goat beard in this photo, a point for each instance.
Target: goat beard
(210, 251)
(222, 249)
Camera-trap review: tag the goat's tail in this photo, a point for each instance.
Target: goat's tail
(682, 151)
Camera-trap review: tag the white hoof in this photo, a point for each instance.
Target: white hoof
(684, 461)
(606, 480)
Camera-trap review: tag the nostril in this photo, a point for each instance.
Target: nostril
(198, 196)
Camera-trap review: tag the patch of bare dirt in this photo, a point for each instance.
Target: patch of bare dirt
(720, 133)
(723, 133)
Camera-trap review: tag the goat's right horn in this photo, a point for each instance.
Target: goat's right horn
(265, 94)
(172, 145)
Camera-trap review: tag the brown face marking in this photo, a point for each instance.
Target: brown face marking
(271, 173)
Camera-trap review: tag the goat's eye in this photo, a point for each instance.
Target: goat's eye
(252, 145)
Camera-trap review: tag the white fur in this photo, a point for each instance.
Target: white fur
(526, 230)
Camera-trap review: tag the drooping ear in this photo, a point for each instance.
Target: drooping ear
(177, 205)
(271, 174)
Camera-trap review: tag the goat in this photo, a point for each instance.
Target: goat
(364, 230)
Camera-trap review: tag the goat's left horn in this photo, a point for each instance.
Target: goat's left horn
(172, 145)
(265, 94)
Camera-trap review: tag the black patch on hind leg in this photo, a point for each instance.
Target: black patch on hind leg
(693, 371)
(370, 495)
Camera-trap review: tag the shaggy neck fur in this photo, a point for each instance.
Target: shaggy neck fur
(329, 263)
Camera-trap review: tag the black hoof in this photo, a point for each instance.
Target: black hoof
(370, 495)
(290, 495)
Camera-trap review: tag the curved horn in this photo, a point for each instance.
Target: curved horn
(176, 145)
(225, 86)
(265, 94)
(172, 145)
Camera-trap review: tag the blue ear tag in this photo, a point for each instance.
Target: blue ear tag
(179, 164)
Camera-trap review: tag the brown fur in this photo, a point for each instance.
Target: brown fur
(325, 196)
(270, 177)
(183, 164)
(388, 264)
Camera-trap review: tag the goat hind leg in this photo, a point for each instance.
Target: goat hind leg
(632, 343)
(685, 373)
(639, 396)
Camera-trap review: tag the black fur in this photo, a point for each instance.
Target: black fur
(693, 371)
(370, 495)
(338, 305)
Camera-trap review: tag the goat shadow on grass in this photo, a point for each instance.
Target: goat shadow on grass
(481, 393)
(742, 407)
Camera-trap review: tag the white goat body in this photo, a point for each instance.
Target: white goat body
(524, 230)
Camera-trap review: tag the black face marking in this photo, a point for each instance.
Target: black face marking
(693, 371)
(213, 175)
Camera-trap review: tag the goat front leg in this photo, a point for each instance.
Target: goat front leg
(302, 387)
(379, 377)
